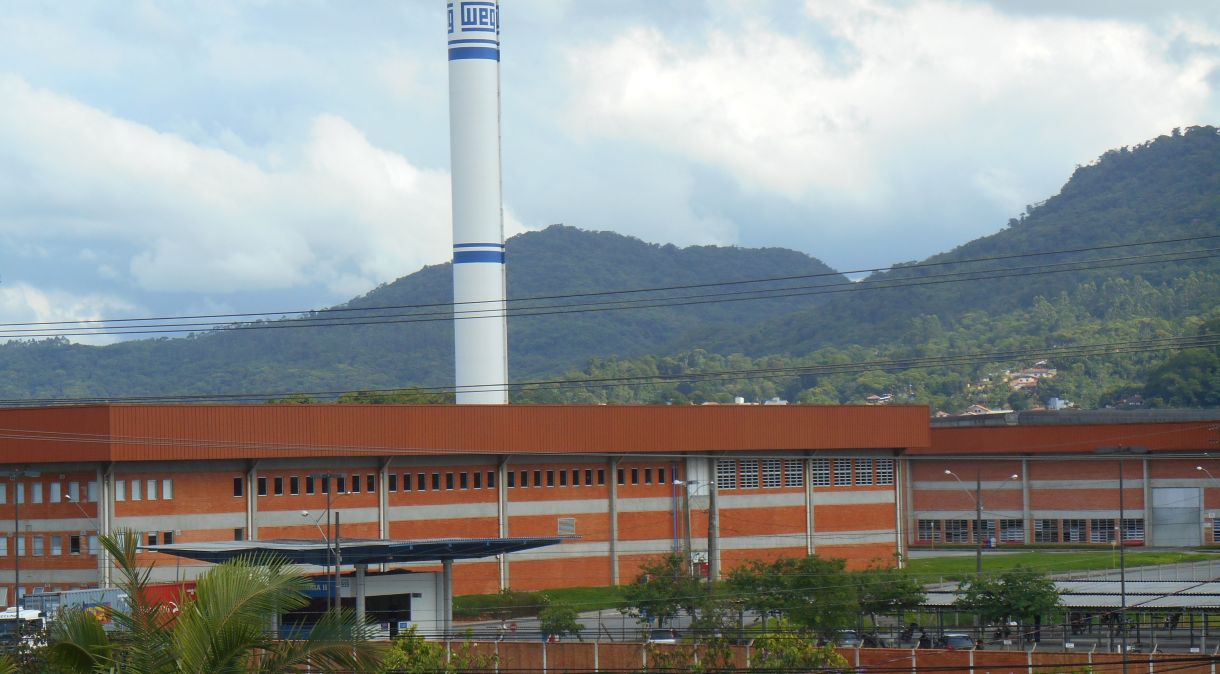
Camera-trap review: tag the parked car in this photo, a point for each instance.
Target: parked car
(848, 639)
(956, 642)
(662, 635)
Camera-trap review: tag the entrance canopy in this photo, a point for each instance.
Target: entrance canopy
(319, 553)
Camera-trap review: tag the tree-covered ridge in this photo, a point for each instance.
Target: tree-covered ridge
(1116, 312)
(1168, 188)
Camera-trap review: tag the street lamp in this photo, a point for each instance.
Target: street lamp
(14, 476)
(978, 513)
(1122, 549)
(332, 544)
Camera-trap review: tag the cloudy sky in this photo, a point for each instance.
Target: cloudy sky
(167, 158)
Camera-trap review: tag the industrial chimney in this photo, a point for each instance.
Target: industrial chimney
(480, 327)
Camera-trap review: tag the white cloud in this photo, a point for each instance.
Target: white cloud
(915, 101)
(23, 303)
(337, 213)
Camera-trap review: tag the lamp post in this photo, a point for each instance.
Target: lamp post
(15, 475)
(1122, 557)
(332, 543)
(978, 513)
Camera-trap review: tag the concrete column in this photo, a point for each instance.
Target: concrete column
(252, 502)
(810, 546)
(612, 510)
(1026, 513)
(899, 514)
(383, 498)
(358, 591)
(1147, 480)
(105, 517)
(502, 516)
(447, 601)
(908, 485)
(713, 524)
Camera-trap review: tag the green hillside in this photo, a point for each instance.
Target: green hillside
(942, 331)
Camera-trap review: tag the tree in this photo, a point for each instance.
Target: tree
(1021, 594)
(559, 619)
(222, 629)
(787, 650)
(664, 588)
(811, 592)
(887, 590)
(410, 653)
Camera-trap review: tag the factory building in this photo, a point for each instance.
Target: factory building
(624, 483)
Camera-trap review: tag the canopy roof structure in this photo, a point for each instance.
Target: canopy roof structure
(1142, 595)
(358, 551)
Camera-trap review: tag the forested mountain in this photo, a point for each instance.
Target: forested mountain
(942, 331)
(413, 344)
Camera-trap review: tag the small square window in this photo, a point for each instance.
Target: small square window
(152, 538)
(167, 538)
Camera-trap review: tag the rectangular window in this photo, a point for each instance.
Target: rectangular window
(986, 529)
(392, 479)
(885, 471)
(94, 548)
(537, 478)
(36, 492)
(135, 490)
(39, 546)
(601, 477)
(355, 484)
(309, 486)
(56, 492)
(3, 546)
(772, 474)
(463, 480)
(74, 545)
(588, 477)
(1012, 531)
(1101, 531)
(167, 489)
(57, 546)
(575, 477)
(436, 482)
(525, 479)
(21, 546)
(421, 481)
(152, 538)
(1046, 531)
(239, 534)
(326, 485)
(278, 484)
(661, 476)
(819, 472)
(563, 478)
(449, 481)
(726, 474)
(406, 482)
(478, 479)
(928, 531)
(370, 483)
(239, 486)
(647, 476)
(550, 478)
(512, 479)
(167, 538)
(1073, 531)
(794, 473)
(957, 531)
(150, 490)
(864, 472)
(262, 486)
(340, 485)
(842, 472)
(91, 491)
(21, 493)
(3, 493)
(120, 490)
(621, 476)
(1133, 529)
(491, 479)
(749, 473)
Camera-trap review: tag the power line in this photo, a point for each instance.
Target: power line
(323, 317)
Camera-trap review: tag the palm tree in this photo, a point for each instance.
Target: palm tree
(224, 629)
